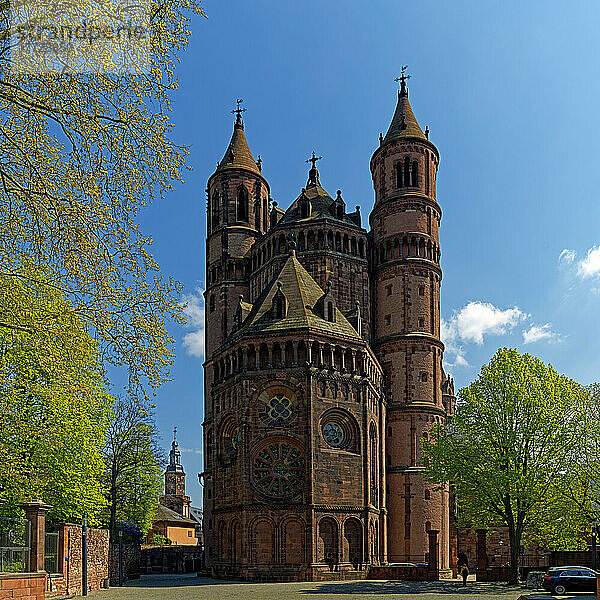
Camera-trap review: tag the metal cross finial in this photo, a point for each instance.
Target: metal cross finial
(175, 433)
(403, 79)
(239, 110)
(313, 159)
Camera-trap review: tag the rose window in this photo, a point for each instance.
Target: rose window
(340, 430)
(278, 469)
(279, 410)
(334, 435)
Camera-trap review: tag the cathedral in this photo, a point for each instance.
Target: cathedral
(323, 368)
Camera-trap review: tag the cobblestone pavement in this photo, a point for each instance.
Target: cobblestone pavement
(190, 587)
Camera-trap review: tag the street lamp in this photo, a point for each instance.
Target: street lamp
(501, 543)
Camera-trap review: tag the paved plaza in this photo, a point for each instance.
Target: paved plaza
(190, 587)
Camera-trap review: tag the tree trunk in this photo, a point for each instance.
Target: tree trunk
(515, 549)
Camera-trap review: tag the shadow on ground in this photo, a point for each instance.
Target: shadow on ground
(171, 581)
(411, 588)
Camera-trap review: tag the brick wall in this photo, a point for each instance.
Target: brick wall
(69, 578)
(23, 586)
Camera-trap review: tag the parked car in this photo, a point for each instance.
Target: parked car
(560, 580)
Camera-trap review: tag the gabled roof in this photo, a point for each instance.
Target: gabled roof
(238, 155)
(404, 123)
(302, 294)
(166, 514)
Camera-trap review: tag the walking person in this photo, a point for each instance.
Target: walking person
(463, 567)
(464, 571)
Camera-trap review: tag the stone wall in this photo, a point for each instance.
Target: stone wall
(69, 578)
(24, 586)
(171, 559)
(131, 563)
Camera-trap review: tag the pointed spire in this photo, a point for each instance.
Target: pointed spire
(404, 123)
(238, 155)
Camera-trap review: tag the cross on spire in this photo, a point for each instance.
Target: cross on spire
(313, 159)
(239, 110)
(403, 79)
(174, 433)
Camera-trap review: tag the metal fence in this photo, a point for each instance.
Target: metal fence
(51, 553)
(15, 545)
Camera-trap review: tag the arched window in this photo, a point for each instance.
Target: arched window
(303, 209)
(399, 180)
(373, 459)
(242, 205)
(214, 211)
(415, 172)
(257, 215)
(280, 308)
(330, 312)
(406, 172)
(212, 303)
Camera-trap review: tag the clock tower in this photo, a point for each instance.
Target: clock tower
(174, 497)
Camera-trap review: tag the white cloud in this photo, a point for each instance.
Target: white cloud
(193, 308)
(567, 256)
(590, 265)
(477, 319)
(538, 333)
(470, 324)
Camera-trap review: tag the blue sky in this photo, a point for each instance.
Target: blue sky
(510, 92)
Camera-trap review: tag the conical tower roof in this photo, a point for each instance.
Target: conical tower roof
(238, 155)
(404, 123)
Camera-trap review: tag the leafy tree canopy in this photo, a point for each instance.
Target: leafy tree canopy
(511, 447)
(80, 154)
(54, 409)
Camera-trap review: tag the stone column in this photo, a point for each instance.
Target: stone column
(481, 553)
(245, 358)
(295, 345)
(433, 550)
(36, 515)
(353, 362)
(343, 352)
(309, 353)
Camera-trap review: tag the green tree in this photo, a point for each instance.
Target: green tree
(514, 438)
(80, 155)
(54, 408)
(132, 466)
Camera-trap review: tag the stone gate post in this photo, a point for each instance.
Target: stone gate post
(35, 513)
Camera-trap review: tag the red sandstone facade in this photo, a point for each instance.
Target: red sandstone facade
(323, 369)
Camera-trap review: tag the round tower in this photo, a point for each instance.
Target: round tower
(237, 213)
(406, 278)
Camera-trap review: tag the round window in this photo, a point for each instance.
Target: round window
(279, 410)
(278, 469)
(334, 434)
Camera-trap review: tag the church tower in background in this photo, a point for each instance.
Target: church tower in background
(406, 278)
(174, 497)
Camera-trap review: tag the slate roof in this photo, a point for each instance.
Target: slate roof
(302, 294)
(166, 514)
(404, 123)
(238, 155)
(320, 203)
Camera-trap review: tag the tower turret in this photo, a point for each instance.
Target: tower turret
(406, 286)
(174, 496)
(238, 212)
